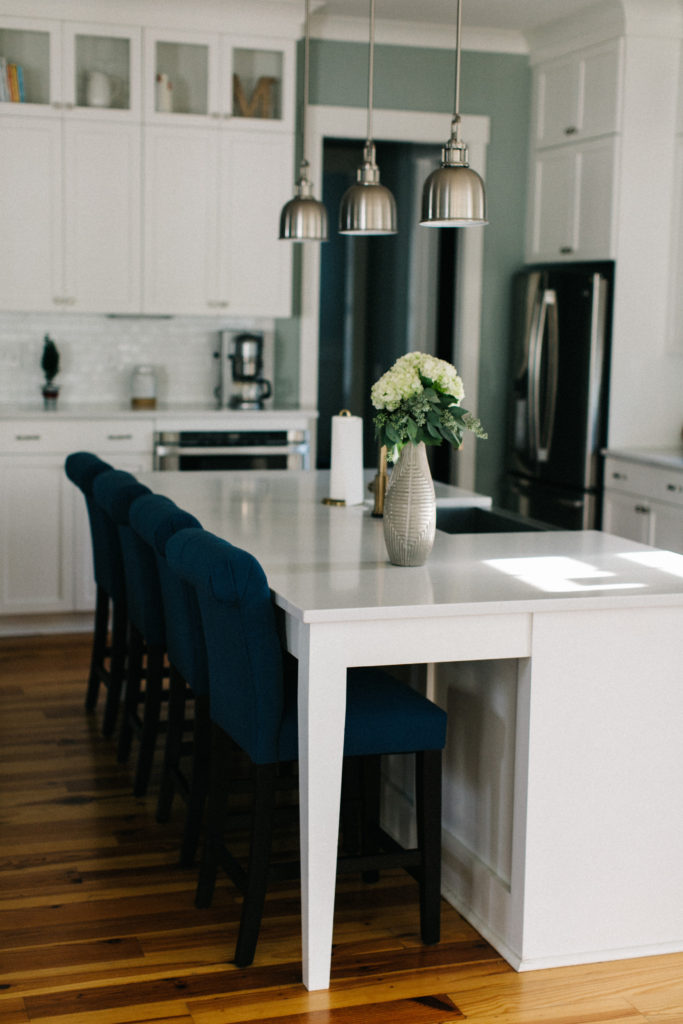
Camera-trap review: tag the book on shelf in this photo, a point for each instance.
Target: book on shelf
(11, 82)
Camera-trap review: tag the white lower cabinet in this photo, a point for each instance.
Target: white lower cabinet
(644, 503)
(212, 201)
(45, 546)
(36, 537)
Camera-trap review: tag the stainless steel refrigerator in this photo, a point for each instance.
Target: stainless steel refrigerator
(558, 419)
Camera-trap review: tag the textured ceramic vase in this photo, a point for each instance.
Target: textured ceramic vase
(410, 508)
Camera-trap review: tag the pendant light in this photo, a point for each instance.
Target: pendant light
(453, 195)
(368, 208)
(304, 218)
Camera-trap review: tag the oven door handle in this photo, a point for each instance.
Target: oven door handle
(162, 450)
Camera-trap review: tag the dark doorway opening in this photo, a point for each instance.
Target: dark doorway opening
(380, 296)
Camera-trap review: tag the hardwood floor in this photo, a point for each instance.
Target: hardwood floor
(98, 924)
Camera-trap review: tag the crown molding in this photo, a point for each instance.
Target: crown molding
(413, 33)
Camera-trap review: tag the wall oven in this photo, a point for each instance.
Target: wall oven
(231, 449)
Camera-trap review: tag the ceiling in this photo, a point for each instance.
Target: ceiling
(515, 15)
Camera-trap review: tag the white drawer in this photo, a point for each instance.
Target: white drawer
(103, 437)
(656, 482)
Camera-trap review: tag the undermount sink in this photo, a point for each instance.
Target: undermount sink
(485, 520)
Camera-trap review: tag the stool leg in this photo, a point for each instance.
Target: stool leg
(134, 671)
(199, 782)
(428, 800)
(150, 719)
(259, 861)
(371, 777)
(117, 666)
(99, 647)
(174, 742)
(217, 813)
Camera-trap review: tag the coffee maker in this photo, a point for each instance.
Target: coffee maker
(242, 385)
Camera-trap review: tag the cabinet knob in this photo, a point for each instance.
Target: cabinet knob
(566, 249)
(642, 510)
(619, 476)
(571, 130)
(671, 487)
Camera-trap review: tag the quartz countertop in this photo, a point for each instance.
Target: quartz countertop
(670, 457)
(167, 416)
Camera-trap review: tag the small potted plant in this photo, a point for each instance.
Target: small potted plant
(50, 367)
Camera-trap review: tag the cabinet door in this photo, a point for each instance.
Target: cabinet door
(182, 77)
(35, 535)
(668, 526)
(33, 46)
(572, 202)
(255, 186)
(626, 515)
(181, 222)
(101, 71)
(102, 216)
(30, 214)
(577, 97)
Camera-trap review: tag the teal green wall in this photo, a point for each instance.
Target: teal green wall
(492, 84)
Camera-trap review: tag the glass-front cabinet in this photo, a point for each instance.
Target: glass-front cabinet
(88, 69)
(194, 77)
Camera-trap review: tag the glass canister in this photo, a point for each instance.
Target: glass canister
(144, 388)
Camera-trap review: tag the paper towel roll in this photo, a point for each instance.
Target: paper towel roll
(346, 465)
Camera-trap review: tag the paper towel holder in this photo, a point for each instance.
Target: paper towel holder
(339, 502)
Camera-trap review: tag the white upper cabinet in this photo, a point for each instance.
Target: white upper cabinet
(577, 97)
(571, 208)
(212, 202)
(195, 78)
(75, 69)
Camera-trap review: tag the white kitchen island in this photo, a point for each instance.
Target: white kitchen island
(582, 634)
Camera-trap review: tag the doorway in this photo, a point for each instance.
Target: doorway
(380, 296)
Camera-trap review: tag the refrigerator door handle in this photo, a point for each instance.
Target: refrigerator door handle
(546, 340)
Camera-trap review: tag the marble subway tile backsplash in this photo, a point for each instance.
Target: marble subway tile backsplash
(98, 355)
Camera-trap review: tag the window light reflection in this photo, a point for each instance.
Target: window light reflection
(557, 574)
(666, 561)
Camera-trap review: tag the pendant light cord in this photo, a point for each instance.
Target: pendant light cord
(371, 68)
(458, 30)
(306, 73)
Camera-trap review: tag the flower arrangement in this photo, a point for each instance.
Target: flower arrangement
(418, 399)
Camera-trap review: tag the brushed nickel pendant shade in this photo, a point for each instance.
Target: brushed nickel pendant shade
(453, 194)
(304, 218)
(368, 207)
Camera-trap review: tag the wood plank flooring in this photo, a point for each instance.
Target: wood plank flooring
(98, 924)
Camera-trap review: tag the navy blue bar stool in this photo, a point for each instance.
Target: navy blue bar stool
(253, 701)
(107, 662)
(156, 519)
(115, 493)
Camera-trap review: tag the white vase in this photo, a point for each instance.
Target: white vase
(410, 508)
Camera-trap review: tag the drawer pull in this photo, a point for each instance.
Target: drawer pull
(119, 437)
(571, 130)
(566, 249)
(671, 487)
(642, 510)
(27, 437)
(619, 476)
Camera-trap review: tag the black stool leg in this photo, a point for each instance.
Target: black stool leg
(428, 801)
(199, 782)
(217, 813)
(134, 672)
(259, 860)
(154, 688)
(174, 743)
(371, 776)
(99, 647)
(117, 666)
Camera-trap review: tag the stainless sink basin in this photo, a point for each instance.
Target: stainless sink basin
(485, 520)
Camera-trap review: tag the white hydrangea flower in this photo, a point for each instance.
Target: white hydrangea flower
(403, 380)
